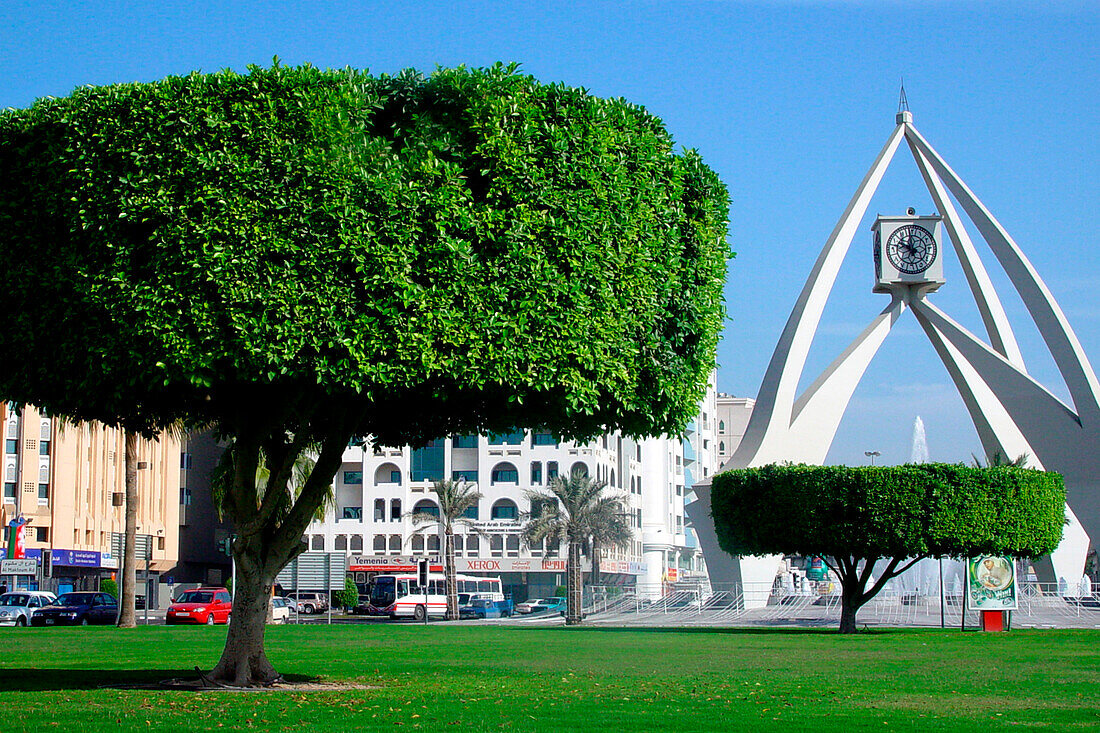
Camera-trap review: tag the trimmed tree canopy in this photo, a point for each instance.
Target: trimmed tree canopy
(465, 252)
(929, 509)
(853, 517)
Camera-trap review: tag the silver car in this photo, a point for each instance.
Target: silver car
(17, 607)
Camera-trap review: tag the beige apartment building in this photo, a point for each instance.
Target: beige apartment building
(68, 482)
(733, 418)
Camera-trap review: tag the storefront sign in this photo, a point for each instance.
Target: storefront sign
(623, 567)
(392, 563)
(76, 558)
(991, 583)
(498, 526)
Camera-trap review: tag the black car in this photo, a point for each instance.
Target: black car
(78, 609)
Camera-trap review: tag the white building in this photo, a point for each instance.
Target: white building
(733, 418)
(378, 487)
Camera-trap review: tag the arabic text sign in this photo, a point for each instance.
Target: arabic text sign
(26, 566)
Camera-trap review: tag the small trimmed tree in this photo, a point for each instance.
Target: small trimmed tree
(855, 516)
(347, 598)
(297, 257)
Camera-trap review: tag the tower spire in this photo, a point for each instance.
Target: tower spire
(903, 115)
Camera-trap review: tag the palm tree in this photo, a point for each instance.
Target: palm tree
(574, 510)
(455, 499)
(999, 459)
(609, 530)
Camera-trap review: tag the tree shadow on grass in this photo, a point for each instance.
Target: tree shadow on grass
(43, 680)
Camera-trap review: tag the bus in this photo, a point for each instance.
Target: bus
(399, 595)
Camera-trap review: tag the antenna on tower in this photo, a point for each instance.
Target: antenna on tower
(904, 115)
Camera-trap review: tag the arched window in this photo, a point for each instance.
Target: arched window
(721, 426)
(341, 542)
(379, 544)
(356, 543)
(395, 543)
(580, 467)
(44, 432)
(426, 506)
(612, 481)
(13, 428)
(504, 509)
(387, 473)
(721, 446)
(504, 473)
(43, 474)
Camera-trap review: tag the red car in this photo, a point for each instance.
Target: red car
(200, 606)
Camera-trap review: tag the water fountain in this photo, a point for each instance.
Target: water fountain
(918, 453)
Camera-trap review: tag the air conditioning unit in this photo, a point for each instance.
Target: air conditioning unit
(118, 498)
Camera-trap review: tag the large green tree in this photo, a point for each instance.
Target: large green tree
(298, 256)
(855, 516)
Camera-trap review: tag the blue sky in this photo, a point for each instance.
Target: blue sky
(788, 101)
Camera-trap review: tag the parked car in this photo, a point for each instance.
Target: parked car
(528, 606)
(200, 606)
(17, 607)
(290, 603)
(548, 605)
(78, 609)
(308, 602)
(486, 608)
(280, 611)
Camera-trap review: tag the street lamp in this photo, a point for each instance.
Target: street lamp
(871, 454)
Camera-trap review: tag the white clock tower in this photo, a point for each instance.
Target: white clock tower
(907, 252)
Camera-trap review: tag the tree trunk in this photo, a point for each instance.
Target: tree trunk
(127, 617)
(449, 573)
(243, 662)
(595, 563)
(574, 585)
(849, 604)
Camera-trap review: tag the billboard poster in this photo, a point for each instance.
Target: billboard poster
(991, 583)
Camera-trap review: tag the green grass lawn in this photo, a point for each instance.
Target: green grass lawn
(557, 679)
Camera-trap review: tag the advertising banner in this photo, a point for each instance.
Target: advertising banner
(76, 558)
(991, 583)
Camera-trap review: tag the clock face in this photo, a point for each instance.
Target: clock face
(911, 249)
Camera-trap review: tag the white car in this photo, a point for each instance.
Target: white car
(280, 611)
(528, 606)
(17, 607)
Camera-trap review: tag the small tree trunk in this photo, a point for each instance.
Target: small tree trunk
(574, 585)
(127, 617)
(595, 563)
(449, 573)
(243, 662)
(848, 607)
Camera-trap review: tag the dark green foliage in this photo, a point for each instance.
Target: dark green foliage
(930, 509)
(453, 254)
(109, 586)
(348, 597)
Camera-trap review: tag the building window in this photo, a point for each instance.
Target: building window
(41, 534)
(185, 461)
(341, 542)
(721, 446)
(43, 447)
(356, 543)
(543, 506)
(721, 426)
(43, 493)
(418, 543)
(513, 438)
(471, 512)
(353, 512)
(551, 470)
(387, 473)
(512, 545)
(464, 441)
(318, 542)
(542, 438)
(395, 543)
(353, 478)
(504, 473)
(496, 545)
(9, 492)
(467, 476)
(380, 511)
(11, 446)
(379, 544)
(579, 468)
(185, 497)
(426, 506)
(427, 462)
(395, 511)
(504, 509)
(433, 543)
(473, 545)
(536, 473)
